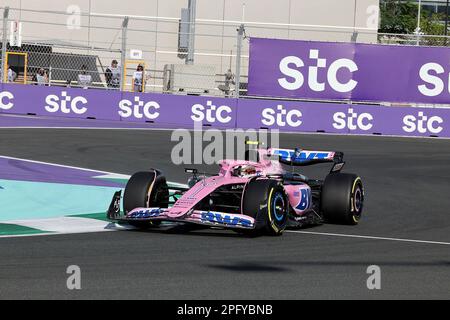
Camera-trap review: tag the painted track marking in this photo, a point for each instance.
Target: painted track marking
(58, 165)
(367, 237)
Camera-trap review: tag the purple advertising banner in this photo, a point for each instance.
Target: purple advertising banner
(360, 72)
(292, 116)
(175, 111)
(161, 109)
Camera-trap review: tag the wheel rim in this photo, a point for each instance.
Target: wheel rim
(278, 207)
(358, 200)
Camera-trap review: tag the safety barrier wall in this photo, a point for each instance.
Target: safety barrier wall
(177, 111)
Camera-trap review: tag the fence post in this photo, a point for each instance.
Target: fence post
(4, 43)
(124, 53)
(240, 38)
(192, 16)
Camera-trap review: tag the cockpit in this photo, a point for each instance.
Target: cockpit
(244, 171)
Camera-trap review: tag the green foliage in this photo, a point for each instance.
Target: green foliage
(401, 17)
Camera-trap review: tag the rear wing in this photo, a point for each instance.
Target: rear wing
(298, 157)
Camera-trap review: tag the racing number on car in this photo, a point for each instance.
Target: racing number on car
(194, 194)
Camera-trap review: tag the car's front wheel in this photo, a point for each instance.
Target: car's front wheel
(266, 202)
(145, 190)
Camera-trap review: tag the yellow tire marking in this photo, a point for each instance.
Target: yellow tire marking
(355, 219)
(272, 222)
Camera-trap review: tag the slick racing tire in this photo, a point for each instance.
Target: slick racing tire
(342, 198)
(145, 190)
(266, 202)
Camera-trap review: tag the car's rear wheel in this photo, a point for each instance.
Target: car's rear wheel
(266, 202)
(145, 190)
(342, 198)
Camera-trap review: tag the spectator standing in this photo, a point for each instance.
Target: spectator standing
(229, 80)
(138, 79)
(41, 78)
(113, 75)
(84, 79)
(226, 86)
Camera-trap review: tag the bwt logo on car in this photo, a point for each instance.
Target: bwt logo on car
(305, 200)
(148, 213)
(422, 123)
(352, 120)
(216, 217)
(6, 98)
(139, 109)
(281, 117)
(297, 79)
(211, 113)
(65, 103)
(303, 156)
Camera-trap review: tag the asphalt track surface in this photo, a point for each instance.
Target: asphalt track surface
(407, 185)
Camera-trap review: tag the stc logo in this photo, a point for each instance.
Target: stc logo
(352, 120)
(281, 117)
(139, 109)
(422, 124)
(211, 113)
(290, 66)
(5, 100)
(435, 86)
(65, 104)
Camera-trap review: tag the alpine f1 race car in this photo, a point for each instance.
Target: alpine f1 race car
(252, 196)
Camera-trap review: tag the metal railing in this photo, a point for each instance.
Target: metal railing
(64, 49)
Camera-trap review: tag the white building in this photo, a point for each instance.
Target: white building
(153, 26)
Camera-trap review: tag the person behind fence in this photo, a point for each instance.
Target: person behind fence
(12, 75)
(41, 78)
(229, 80)
(84, 79)
(138, 79)
(112, 75)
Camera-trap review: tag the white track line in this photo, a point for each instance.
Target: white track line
(59, 165)
(106, 173)
(28, 235)
(64, 224)
(367, 237)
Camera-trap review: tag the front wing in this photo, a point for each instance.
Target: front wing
(206, 218)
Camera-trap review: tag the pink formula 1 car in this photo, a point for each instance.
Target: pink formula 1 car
(256, 195)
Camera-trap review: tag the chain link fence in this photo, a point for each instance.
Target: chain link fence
(148, 54)
(413, 39)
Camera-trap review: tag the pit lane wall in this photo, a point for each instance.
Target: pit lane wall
(177, 111)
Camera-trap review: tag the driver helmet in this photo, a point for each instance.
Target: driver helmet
(245, 171)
